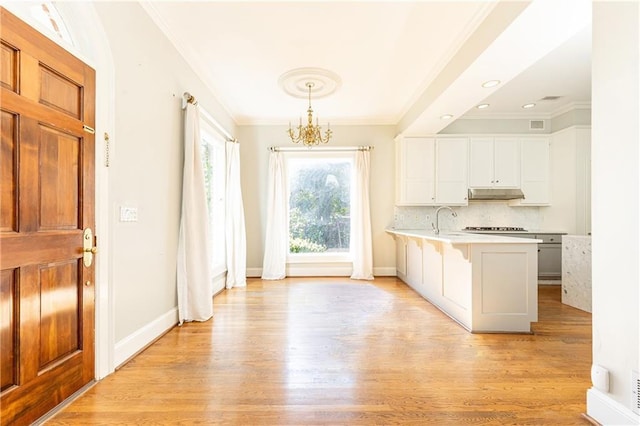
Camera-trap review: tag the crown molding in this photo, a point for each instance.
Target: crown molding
(356, 121)
(570, 107)
(196, 65)
(464, 36)
(507, 116)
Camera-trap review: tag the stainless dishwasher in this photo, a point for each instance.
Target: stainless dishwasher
(550, 256)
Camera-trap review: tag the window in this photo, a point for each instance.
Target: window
(44, 15)
(214, 167)
(320, 204)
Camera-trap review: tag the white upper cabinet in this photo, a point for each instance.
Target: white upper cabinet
(494, 162)
(431, 171)
(451, 171)
(415, 168)
(535, 172)
(434, 171)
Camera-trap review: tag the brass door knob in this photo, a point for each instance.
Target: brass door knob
(93, 250)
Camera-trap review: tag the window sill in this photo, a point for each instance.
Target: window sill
(320, 258)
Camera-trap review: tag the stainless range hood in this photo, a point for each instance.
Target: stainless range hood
(495, 194)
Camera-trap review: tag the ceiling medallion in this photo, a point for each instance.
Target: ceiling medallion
(294, 82)
(309, 80)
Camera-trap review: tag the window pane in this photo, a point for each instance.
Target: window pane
(319, 205)
(214, 164)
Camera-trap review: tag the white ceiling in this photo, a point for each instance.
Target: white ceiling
(403, 63)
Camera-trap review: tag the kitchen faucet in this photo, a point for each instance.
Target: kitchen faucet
(436, 228)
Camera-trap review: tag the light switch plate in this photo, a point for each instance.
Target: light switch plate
(128, 214)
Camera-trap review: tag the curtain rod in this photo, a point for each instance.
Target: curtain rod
(189, 98)
(319, 148)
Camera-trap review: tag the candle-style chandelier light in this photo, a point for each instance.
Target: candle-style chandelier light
(310, 134)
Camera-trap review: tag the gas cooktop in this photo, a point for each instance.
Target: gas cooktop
(495, 228)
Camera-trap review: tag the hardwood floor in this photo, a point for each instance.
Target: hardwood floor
(336, 351)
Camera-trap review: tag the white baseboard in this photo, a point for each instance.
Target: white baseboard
(318, 270)
(130, 345)
(384, 271)
(219, 283)
(254, 272)
(306, 271)
(607, 411)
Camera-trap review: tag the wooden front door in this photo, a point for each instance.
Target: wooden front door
(46, 202)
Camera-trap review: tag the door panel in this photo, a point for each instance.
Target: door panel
(8, 68)
(60, 93)
(47, 196)
(8, 332)
(8, 176)
(59, 303)
(59, 180)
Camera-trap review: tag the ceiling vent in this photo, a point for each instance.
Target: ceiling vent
(550, 98)
(536, 124)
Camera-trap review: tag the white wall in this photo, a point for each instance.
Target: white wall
(146, 163)
(615, 213)
(254, 158)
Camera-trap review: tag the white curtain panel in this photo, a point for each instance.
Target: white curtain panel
(361, 221)
(194, 277)
(276, 245)
(236, 236)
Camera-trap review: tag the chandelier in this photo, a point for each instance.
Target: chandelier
(309, 135)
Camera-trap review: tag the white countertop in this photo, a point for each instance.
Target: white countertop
(457, 237)
(527, 232)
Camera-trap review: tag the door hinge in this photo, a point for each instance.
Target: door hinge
(89, 129)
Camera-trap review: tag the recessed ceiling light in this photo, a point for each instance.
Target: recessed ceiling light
(527, 106)
(482, 106)
(490, 83)
(446, 117)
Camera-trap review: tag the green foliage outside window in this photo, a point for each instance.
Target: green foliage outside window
(319, 217)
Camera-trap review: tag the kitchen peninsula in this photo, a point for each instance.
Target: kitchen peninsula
(487, 283)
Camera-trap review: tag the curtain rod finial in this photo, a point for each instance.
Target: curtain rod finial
(188, 98)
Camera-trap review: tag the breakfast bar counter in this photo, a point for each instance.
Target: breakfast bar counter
(487, 283)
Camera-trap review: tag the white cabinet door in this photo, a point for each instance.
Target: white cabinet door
(416, 174)
(506, 163)
(494, 163)
(481, 162)
(451, 171)
(535, 171)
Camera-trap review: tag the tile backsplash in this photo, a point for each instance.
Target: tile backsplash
(494, 213)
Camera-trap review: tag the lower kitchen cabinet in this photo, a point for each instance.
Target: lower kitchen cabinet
(549, 253)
